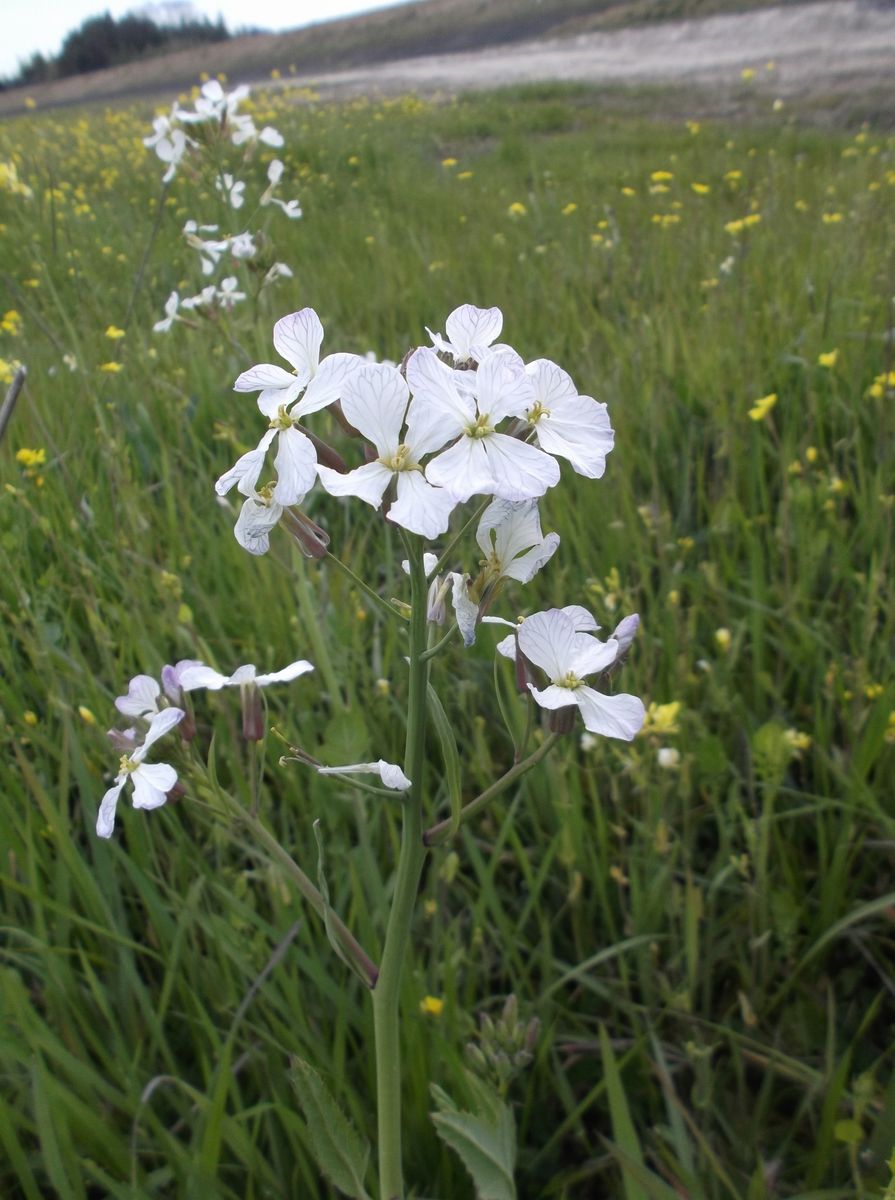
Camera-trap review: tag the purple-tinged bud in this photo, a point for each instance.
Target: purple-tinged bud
(562, 720)
(624, 633)
(124, 740)
(252, 713)
(325, 453)
(312, 540)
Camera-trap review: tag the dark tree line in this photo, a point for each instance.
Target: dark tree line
(107, 41)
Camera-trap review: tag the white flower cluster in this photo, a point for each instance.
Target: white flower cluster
(482, 423)
(466, 418)
(217, 110)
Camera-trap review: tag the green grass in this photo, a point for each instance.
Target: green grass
(727, 923)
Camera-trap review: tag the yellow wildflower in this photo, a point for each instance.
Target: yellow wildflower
(628, 191)
(29, 717)
(723, 639)
(517, 209)
(448, 162)
(464, 175)
(661, 176)
(111, 367)
(431, 1006)
(763, 406)
(747, 74)
(832, 218)
(701, 189)
(569, 209)
(86, 715)
(662, 718)
(114, 332)
(828, 359)
(31, 458)
(811, 454)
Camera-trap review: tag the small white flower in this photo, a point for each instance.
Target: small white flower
(374, 401)
(243, 246)
(271, 137)
(151, 781)
(202, 299)
(391, 775)
(232, 189)
(169, 144)
(172, 675)
(572, 426)
(228, 294)
(291, 208)
(668, 758)
(200, 676)
(279, 270)
(551, 641)
(510, 537)
(258, 516)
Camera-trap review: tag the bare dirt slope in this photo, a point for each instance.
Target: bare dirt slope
(820, 51)
(814, 47)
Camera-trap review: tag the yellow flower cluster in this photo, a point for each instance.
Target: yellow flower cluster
(763, 406)
(31, 458)
(8, 370)
(882, 384)
(10, 182)
(743, 223)
(662, 718)
(11, 323)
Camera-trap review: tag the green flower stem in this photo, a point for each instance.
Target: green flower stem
(438, 833)
(387, 993)
(366, 968)
(440, 645)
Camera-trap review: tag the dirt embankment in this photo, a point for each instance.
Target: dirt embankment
(821, 51)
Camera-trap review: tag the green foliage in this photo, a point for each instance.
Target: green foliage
(726, 918)
(341, 1155)
(484, 1139)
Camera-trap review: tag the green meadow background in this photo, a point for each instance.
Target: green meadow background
(727, 919)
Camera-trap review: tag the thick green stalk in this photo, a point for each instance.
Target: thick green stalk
(387, 992)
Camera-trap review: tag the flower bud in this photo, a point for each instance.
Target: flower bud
(252, 713)
(312, 540)
(325, 453)
(562, 720)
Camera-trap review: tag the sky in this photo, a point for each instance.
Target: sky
(31, 25)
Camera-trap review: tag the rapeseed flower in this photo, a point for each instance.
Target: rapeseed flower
(763, 406)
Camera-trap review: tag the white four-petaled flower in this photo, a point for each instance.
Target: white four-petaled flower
(572, 426)
(151, 781)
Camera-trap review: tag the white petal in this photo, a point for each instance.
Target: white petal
(300, 667)
(163, 722)
(295, 465)
(298, 338)
(472, 329)
(142, 697)
(275, 171)
(254, 523)
(420, 507)
(548, 640)
(200, 676)
(105, 818)
(625, 632)
(506, 646)
(434, 388)
(508, 529)
(430, 425)
(467, 612)
(526, 566)
(614, 716)
(246, 470)
(152, 782)
(390, 774)
(552, 385)
(247, 673)
(553, 696)
(271, 137)
(582, 620)
(590, 656)
(518, 471)
(262, 376)
(463, 469)
(502, 388)
(326, 386)
(367, 482)
(374, 401)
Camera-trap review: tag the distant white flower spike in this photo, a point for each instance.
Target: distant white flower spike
(480, 460)
(232, 189)
(550, 641)
(171, 306)
(200, 676)
(151, 781)
(572, 426)
(228, 294)
(391, 775)
(374, 401)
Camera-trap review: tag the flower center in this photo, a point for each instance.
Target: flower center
(534, 414)
(481, 428)
(126, 765)
(265, 494)
(401, 460)
(569, 680)
(282, 420)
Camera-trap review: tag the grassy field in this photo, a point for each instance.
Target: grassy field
(726, 917)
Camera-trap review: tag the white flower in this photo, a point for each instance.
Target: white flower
(274, 173)
(142, 697)
(510, 537)
(204, 298)
(233, 189)
(279, 270)
(668, 758)
(171, 306)
(374, 401)
(171, 677)
(551, 641)
(391, 775)
(480, 460)
(169, 144)
(291, 208)
(271, 137)
(151, 781)
(572, 426)
(257, 517)
(200, 676)
(243, 246)
(465, 608)
(470, 332)
(582, 621)
(227, 295)
(297, 337)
